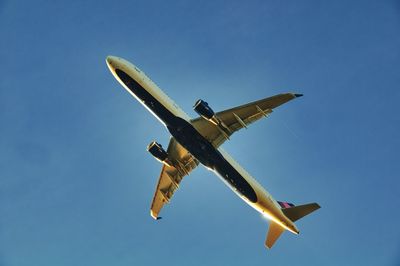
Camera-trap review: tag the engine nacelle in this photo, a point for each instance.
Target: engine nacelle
(158, 152)
(201, 107)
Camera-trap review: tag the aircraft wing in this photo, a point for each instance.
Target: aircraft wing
(171, 176)
(239, 117)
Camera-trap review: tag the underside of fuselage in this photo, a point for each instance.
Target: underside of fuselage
(196, 140)
(191, 139)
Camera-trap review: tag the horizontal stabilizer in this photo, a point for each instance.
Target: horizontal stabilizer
(297, 212)
(274, 232)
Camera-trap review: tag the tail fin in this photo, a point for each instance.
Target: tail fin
(294, 213)
(274, 232)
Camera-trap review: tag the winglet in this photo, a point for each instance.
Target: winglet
(297, 95)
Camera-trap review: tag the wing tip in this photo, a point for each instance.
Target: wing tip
(267, 246)
(154, 215)
(298, 95)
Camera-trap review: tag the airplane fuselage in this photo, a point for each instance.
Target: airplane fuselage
(178, 124)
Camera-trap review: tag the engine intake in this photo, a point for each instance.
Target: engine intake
(201, 107)
(158, 152)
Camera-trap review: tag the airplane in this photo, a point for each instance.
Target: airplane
(198, 140)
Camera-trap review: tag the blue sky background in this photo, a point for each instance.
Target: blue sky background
(76, 180)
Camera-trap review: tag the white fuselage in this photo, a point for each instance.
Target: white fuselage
(264, 204)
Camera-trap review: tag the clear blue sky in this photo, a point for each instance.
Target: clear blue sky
(76, 180)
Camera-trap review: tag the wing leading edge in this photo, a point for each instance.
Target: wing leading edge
(239, 117)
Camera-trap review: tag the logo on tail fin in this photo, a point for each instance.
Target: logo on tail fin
(285, 205)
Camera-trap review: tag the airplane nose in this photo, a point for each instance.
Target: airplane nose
(110, 60)
(113, 63)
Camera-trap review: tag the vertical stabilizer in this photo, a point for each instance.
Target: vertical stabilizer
(274, 232)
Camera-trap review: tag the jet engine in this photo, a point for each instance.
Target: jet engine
(158, 152)
(201, 107)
